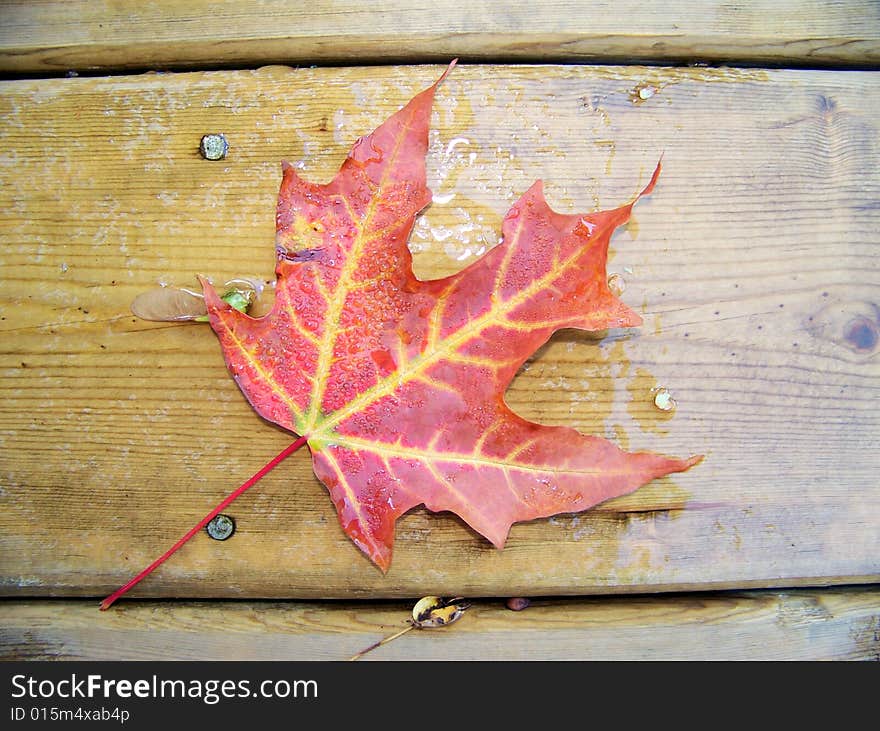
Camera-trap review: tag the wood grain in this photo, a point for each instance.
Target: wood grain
(54, 36)
(797, 625)
(754, 263)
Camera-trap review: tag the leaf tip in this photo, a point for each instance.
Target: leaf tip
(650, 186)
(212, 299)
(621, 315)
(630, 318)
(383, 562)
(497, 537)
(694, 461)
(446, 73)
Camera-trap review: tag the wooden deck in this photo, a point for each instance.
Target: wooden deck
(754, 265)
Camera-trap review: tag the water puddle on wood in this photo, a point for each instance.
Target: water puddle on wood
(646, 406)
(623, 538)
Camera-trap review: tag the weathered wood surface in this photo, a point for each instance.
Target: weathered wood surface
(755, 264)
(803, 624)
(54, 36)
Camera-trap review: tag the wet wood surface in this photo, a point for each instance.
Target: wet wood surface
(754, 265)
(55, 36)
(803, 624)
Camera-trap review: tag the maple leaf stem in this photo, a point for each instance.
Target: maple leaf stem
(262, 472)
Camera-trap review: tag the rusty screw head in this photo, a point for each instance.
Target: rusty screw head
(221, 527)
(213, 147)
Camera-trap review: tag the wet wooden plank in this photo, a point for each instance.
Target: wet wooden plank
(754, 264)
(806, 624)
(55, 36)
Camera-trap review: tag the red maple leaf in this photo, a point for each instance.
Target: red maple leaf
(397, 384)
